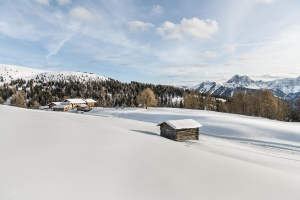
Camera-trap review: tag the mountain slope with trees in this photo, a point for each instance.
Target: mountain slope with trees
(46, 88)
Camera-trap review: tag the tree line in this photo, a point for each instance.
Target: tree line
(259, 103)
(110, 93)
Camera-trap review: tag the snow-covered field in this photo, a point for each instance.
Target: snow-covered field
(118, 154)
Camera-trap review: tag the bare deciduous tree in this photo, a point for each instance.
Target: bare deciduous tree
(297, 110)
(35, 105)
(260, 103)
(192, 100)
(147, 98)
(1, 100)
(18, 99)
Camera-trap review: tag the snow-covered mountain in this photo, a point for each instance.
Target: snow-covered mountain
(287, 88)
(9, 73)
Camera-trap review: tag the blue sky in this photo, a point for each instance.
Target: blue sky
(163, 42)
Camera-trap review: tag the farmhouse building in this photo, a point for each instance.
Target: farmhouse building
(75, 102)
(61, 107)
(83, 107)
(82, 104)
(186, 129)
(90, 102)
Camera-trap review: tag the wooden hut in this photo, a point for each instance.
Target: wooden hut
(52, 104)
(90, 102)
(83, 107)
(61, 108)
(185, 129)
(75, 102)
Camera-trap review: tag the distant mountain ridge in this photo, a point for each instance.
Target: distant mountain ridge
(287, 88)
(10, 73)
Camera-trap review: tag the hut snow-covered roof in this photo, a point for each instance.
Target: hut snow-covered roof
(82, 105)
(183, 124)
(75, 101)
(90, 100)
(55, 103)
(60, 106)
(65, 103)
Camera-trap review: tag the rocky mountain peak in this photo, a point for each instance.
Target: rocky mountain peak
(240, 80)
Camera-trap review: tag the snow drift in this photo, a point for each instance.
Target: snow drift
(53, 155)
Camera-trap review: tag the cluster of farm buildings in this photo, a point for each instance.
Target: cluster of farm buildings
(74, 104)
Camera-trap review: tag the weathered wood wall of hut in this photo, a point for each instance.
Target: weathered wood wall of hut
(74, 105)
(61, 109)
(51, 105)
(167, 131)
(91, 104)
(187, 134)
(58, 109)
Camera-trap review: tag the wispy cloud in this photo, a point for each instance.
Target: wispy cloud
(267, 77)
(43, 2)
(264, 1)
(19, 30)
(64, 2)
(230, 47)
(139, 26)
(209, 54)
(55, 47)
(157, 10)
(84, 15)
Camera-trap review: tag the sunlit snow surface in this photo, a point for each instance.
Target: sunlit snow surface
(215, 123)
(103, 155)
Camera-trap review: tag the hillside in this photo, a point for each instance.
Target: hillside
(42, 87)
(43, 157)
(8, 73)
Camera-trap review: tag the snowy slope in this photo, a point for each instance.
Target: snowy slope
(54, 155)
(216, 123)
(254, 135)
(11, 72)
